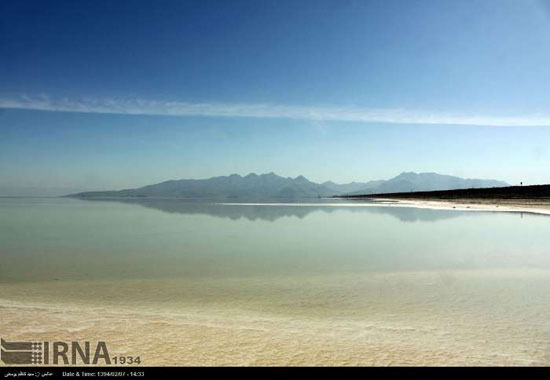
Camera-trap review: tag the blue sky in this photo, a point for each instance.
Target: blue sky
(114, 94)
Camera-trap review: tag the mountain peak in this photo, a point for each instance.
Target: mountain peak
(408, 174)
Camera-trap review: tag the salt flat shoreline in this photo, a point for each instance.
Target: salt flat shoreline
(532, 206)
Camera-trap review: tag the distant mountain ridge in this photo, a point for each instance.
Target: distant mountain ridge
(271, 186)
(249, 187)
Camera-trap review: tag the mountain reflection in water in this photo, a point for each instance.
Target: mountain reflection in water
(273, 211)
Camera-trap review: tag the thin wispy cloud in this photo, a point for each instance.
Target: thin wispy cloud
(176, 108)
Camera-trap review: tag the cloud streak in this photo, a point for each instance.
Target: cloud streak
(175, 108)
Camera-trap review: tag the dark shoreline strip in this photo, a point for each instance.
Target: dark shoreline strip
(535, 193)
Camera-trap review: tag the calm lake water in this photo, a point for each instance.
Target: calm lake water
(453, 286)
(54, 239)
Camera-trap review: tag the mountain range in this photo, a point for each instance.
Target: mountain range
(271, 186)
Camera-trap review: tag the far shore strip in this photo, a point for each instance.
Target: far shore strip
(531, 206)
